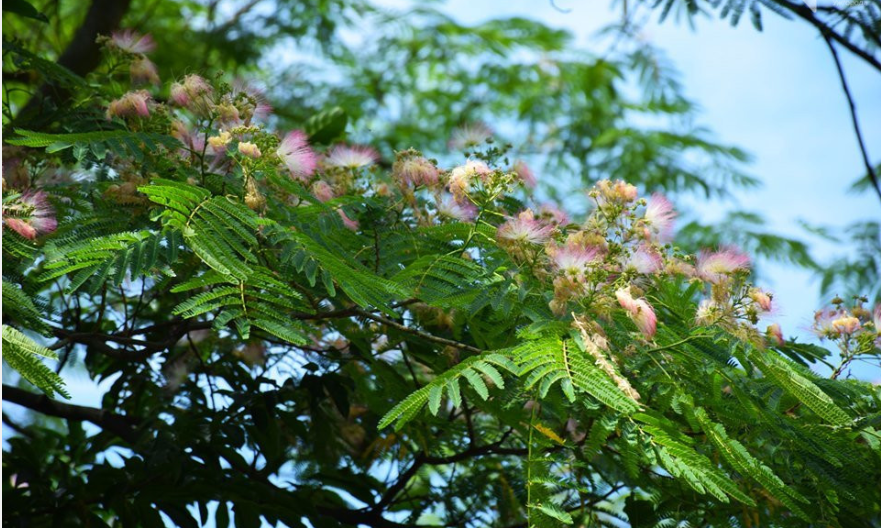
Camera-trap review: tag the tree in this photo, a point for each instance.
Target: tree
(305, 330)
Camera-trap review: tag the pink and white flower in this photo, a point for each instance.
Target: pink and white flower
(143, 71)
(469, 136)
(130, 41)
(246, 148)
(463, 211)
(524, 229)
(322, 190)
(572, 259)
(295, 152)
(660, 216)
(716, 266)
(644, 260)
(846, 325)
(30, 215)
(416, 170)
(262, 109)
(761, 299)
(462, 176)
(639, 310)
(775, 333)
(524, 173)
(351, 156)
(350, 224)
(554, 214)
(193, 93)
(130, 105)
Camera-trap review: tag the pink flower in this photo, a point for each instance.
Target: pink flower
(469, 136)
(774, 332)
(262, 108)
(846, 325)
(295, 152)
(348, 222)
(143, 71)
(660, 216)
(322, 191)
(823, 322)
(130, 105)
(463, 211)
(717, 265)
(415, 170)
(618, 192)
(639, 310)
(554, 214)
(572, 259)
(522, 170)
(462, 176)
(525, 228)
(351, 157)
(32, 215)
(762, 299)
(876, 318)
(128, 40)
(644, 260)
(249, 149)
(193, 93)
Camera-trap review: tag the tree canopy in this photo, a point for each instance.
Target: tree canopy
(336, 296)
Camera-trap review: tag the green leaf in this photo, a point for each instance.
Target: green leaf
(25, 9)
(22, 354)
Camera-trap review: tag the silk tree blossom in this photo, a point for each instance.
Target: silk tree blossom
(572, 259)
(143, 71)
(846, 325)
(618, 192)
(660, 217)
(350, 224)
(415, 171)
(775, 334)
(219, 142)
(524, 229)
(129, 41)
(469, 136)
(524, 173)
(639, 310)
(644, 260)
(295, 152)
(194, 93)
(30, 215)
(461, 210)
(462, 176)
(823, 320)
(322, 190)
(554, 214)
(351, 156)
(876, 318)
(259, 104)
(249, 149)
(708, 312)
(761, 299)
(716, 266)
(130, 105)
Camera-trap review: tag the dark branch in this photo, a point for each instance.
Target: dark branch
(853, 116)
(120, 425)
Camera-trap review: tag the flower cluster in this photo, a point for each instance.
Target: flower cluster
(29, 214)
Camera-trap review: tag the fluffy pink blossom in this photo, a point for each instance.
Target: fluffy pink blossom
(617, 192)
(775, 333)
(525, 228)
(761, 298)
(554, 214)
(322, 190)
(31, 215)
(644, 260)
(351, 156)
(295, 152)
(639, 310)
(715, 266)
(846, 325)
(469, 136)
(462, 176)
(262, 108)
(193, 93)
(876, 318)
(249, 149)
(522, 170)
(416, 170)
(128, 40)
(572, 259)
(130, 105)
(348, 222)
(660, 216)
(823, 322)
(463, 211)
(143, 71)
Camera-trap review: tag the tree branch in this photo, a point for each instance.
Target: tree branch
(120, 425)
(853, 116)
(424, 335)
